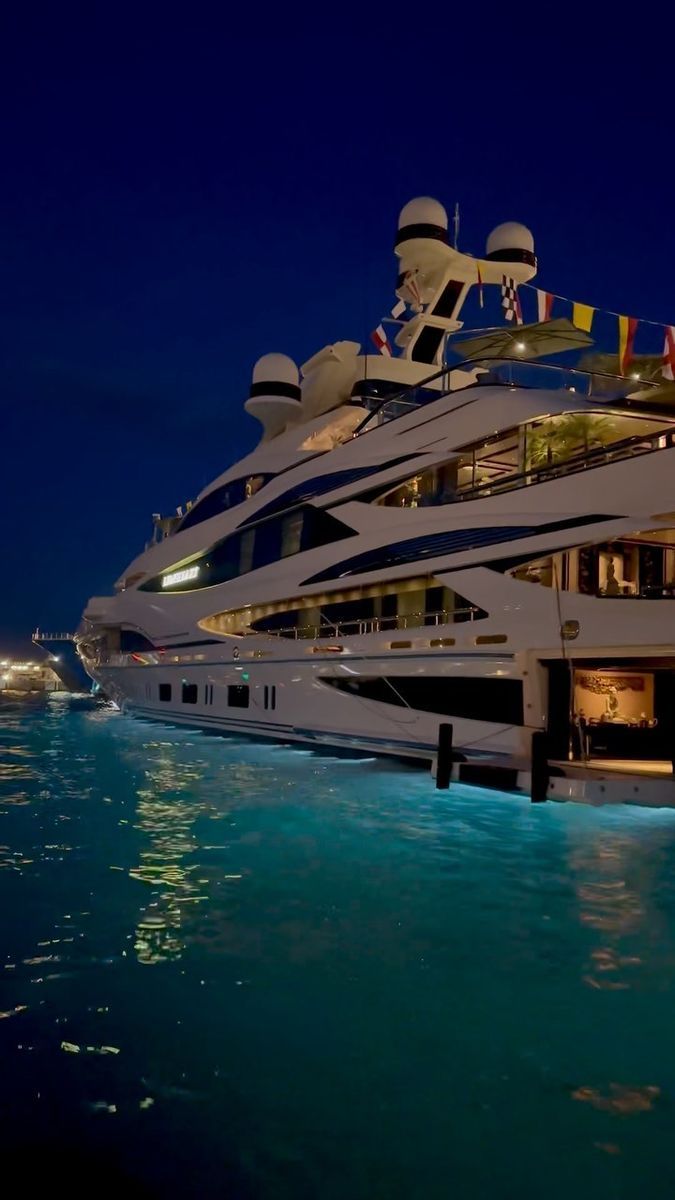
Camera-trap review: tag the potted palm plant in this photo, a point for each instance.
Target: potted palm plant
(560, 438)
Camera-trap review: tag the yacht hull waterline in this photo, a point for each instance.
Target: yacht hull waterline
(488, 543)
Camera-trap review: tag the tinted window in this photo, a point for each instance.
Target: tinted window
(232, 556)
(414, 549)
(131, 640)
(496, 700)
(223, 498)
(267, 542)
(325, 483)
(246, 552)
(437, 544)
(291, 533)
(237, 695)
(189, 693)
(165, 691)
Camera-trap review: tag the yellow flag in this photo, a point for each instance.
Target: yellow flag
(627, 330)
(582, 316)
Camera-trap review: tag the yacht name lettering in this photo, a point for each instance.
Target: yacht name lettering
(180, 576)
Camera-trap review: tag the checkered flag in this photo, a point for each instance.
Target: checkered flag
(510, 301)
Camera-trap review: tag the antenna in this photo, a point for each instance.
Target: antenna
(455, 225)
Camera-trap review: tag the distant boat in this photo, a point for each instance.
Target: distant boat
(63, 659)
(12, 699)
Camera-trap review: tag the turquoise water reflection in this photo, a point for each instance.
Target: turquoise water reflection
(235, 970)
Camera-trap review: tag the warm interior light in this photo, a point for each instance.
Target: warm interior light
(520, 345)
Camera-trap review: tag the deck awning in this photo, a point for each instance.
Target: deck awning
(524, 342)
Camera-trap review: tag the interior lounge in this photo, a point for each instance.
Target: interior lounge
(531, 452)
(623, 711)
(642, 565)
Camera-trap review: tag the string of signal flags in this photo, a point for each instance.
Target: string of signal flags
(582, 318)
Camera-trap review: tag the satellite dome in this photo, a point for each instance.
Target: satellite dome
(509, 236)
(513, 244)
(423, 211)
(274, 396)
(276, 368)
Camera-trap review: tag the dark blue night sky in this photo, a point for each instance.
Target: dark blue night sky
(176, 201)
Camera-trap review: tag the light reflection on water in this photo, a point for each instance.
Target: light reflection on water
(232, 969)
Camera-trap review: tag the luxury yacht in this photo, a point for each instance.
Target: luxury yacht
(452, 530)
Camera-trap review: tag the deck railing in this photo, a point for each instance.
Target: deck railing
(40, 636)
(358, 628)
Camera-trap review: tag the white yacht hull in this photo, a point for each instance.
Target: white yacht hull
(310, 712)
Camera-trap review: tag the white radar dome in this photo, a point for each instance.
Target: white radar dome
(276, 368)
(510, 236)
(423, 211)
(274, 396)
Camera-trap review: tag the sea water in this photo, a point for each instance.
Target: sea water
(241, 970)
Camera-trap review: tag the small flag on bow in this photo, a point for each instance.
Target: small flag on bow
(399, 313)
(510, 301)
(668, 368)
(380, 339)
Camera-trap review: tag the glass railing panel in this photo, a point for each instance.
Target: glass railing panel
(356, 628)
(501, 372)
(599, 456)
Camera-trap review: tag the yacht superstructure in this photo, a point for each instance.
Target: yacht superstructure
(461, 531)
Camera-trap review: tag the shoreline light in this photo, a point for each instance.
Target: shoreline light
(180, 576)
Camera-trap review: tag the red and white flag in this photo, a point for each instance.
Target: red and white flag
(544, 305)
(668, 368)
(380, 339)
